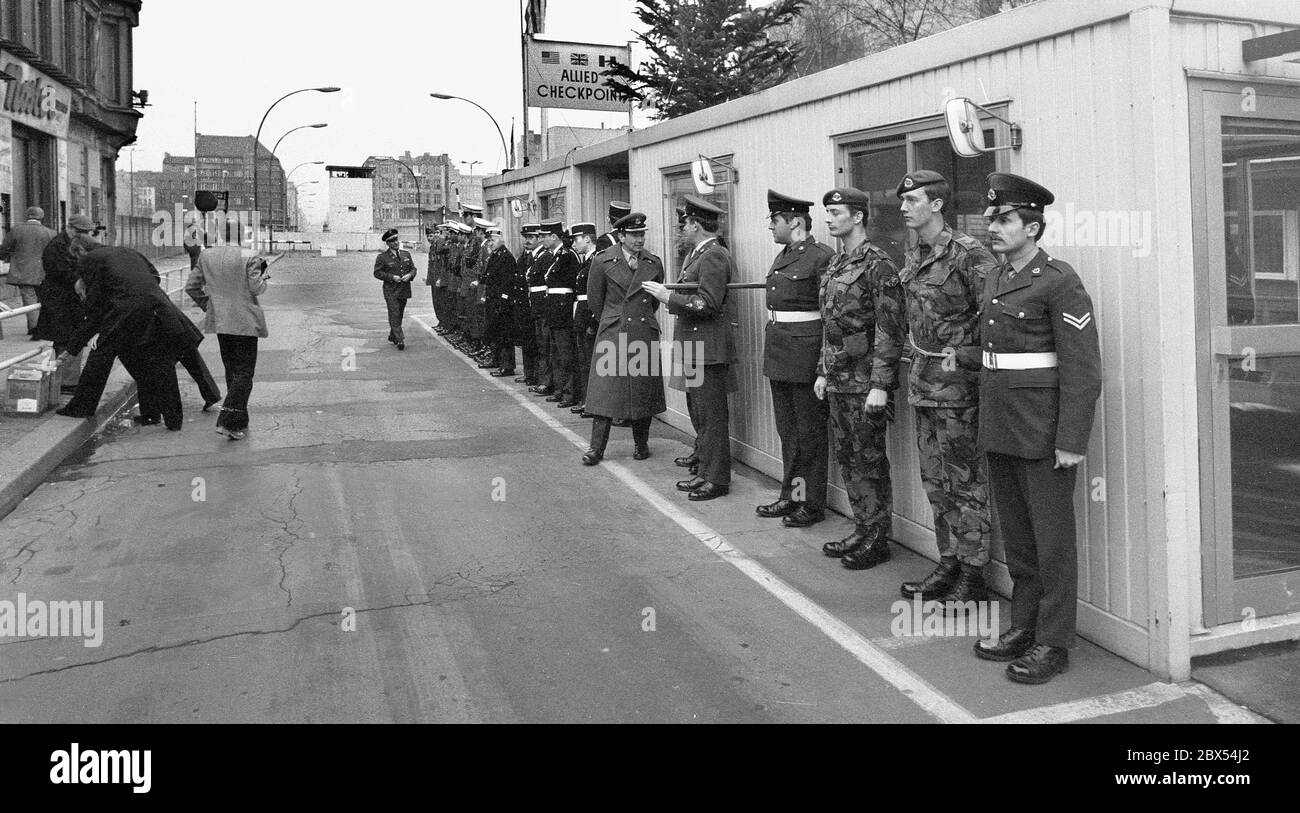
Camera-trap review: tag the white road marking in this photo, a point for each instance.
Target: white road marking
(873, 656)
(1223, 709)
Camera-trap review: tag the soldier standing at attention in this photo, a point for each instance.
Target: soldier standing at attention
(862, 312)
(617, 211)
(584, 324)
(452, 298)
(560, 297)
(525, 334)
(944, 275)
(395, 268)
(792, 346)
(434, 277)
(498, 327)
(704, 346)
(548, 380)
(1037, 404)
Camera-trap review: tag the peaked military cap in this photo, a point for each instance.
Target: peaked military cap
(529, 229)
(390, 235)
(694, 206)
(634, 222)
(470, 209)
(782, 204)
(493, 229)
(619, 210)
(480, 223)
(582, 228)
(555, 227)
(847, 196)
(1009, 192)
(918, 179)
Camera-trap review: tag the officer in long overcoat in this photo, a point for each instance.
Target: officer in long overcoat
(395, 268)
(626, 381)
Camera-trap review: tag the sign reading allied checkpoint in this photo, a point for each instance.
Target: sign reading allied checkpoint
(571, 75)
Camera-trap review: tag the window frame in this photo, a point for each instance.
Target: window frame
(726, 180)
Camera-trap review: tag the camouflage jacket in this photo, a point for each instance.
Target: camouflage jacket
(944, 284)
(861, 301)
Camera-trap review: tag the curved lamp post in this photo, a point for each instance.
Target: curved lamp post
(419, 198)
(504, 146)
(257, 139)
(270, 226)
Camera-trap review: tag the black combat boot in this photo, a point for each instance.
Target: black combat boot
(968, 587)
(937, 584)
(865, 557)
(599, 439)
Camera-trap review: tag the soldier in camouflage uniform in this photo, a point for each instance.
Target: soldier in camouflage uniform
(944, 277)
(862, 311)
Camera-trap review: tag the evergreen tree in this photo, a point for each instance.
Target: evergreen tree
(706, 52)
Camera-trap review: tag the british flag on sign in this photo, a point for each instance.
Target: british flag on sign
(550, 57)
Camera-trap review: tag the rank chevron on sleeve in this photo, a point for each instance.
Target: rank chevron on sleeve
(1079, 322)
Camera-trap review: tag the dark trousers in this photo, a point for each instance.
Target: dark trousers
(192, 361)
(239, 357)
(801, 420)
(438, 313)
(545, 373)
(562, 361)
(396, 313)
(504, 356)
(154, 371)
(584, 345)
(710, 415)
(451, 304)
(600, 427)
(1035, 516)
(94, 377)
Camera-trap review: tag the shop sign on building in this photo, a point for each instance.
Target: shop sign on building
(33, 99)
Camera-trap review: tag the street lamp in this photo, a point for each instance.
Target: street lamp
(270, 226)
(419, 198)
(257, 139)
(276, 148)
(300, 166)
(471, 166)
(445, 96)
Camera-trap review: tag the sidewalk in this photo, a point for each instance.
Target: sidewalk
(32, 447)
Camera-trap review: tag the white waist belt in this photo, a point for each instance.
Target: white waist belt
(559, 290)
(1019, 361)
(794, 316)
(505, 296)
(582, 297)
(537, 289)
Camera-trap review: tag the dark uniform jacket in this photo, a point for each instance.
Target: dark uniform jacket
(498, 282)
(389, 267)
(862, 313)
(542, 260)
(1043, 308)
(624, 381)
(583, 319)
(707, 314)
(562, 275)
(61, 311)
(791, 350)
(523, 312)
(605, 241)
(469, 268)
(945, 284)
(126, 306)
(437, 275)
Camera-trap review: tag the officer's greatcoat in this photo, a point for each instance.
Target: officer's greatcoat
(626, 380)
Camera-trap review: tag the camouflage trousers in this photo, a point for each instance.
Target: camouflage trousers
(858, 443)
(956, 481)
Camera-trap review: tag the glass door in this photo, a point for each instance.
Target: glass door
(1249, 264)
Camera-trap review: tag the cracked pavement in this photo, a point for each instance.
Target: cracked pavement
(348, 562)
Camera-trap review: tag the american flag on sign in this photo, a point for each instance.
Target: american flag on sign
(550, 57)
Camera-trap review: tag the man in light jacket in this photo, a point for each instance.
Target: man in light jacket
(226, 286)
(22, 248)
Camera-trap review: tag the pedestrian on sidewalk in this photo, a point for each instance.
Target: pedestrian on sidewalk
(23, 249)
(396, 269)
(226, 286)
(61, 308)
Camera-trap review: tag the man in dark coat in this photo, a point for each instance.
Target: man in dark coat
(584, 323)
(61, 311)
(704, 345)
(524, 331)
(558, 313)
(542, 260)
(396, 269)
(498, 280)
(135, 321)
(625, 381)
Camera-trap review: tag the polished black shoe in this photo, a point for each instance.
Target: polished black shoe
(708, 491)
(968, 587)
(778, 509)
(847, 545)
(502, 373)
(567, 403)
(686, 462)
(805, 517)
(937, 584)
(1040, 664)
(146, 420)
(546, 391)
(391, 340)
(867, 556)
(592, 458)
(691, 484)
(554, 398)
(641, 453)
(523, 379)
(488, 365)
(578, 409)
(1010, 645)
(585, 414)
(401, 345)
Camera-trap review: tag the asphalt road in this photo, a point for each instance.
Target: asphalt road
(400, 539)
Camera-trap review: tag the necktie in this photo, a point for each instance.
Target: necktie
(632, 262)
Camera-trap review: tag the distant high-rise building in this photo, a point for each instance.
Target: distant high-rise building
(225, 163)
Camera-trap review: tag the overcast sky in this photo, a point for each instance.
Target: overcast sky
(236, 57)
